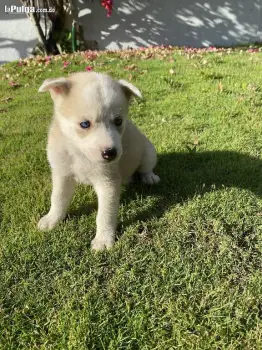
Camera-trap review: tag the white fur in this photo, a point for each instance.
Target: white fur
(75, 155)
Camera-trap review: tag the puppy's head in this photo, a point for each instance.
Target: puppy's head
(91, 109)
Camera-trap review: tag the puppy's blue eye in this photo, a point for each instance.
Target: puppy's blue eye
(85, 125)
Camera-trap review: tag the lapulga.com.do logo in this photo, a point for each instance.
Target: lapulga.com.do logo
(26, 9)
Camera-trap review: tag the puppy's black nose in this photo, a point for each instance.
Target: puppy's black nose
(109, 153)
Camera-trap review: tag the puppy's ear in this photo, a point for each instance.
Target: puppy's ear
(56, 86)
(129, 89)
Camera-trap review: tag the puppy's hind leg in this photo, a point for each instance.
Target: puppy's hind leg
(62, 193)
(147, 165)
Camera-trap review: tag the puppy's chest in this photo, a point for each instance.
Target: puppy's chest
(82, 170)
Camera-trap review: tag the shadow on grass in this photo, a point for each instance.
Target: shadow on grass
(84, 209)
(184, 175)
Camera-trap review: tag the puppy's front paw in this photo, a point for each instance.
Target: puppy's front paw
(150, 178)
(47, 222)
(99, 243)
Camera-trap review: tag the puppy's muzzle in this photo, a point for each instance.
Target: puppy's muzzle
(109, 154)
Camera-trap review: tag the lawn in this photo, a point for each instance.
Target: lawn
(186, 271)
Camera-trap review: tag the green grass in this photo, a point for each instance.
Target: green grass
(186, 271)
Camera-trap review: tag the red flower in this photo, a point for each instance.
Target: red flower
(65, 64)
(88, 68)
(108, 5)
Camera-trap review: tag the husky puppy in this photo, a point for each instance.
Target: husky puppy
(91, 141)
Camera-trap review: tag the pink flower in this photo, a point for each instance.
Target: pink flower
(13, 84)
(65, 64)
(20, 63)
(253, 50)
(90, 55)
(88, 68)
